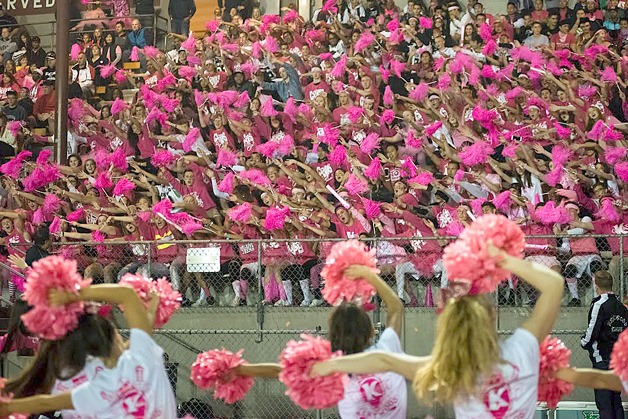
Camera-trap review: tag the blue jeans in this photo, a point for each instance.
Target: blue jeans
(180, 26)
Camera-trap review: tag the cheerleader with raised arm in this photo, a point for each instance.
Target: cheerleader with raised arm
(468, 366)
(125, 381)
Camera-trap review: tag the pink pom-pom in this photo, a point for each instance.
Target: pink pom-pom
(619, 356)
(163, 158)
(255, 176)
(371, 208)
(339, 288)
(267, 149)
(486, 32)
(412, 141)
(241, 213)
(75, 215)
(271, 45)
(14, 127)
(425, 23)
(339, 68)
(43, 157)
(408, 168)
(476, 153)
(613, 135)
(107, 71)
(554, 356)
(75, 51)
(365, 41)
(103, 181)
(560, 155)
(503, 201)
(118, 159)
(163, 207)
(169, 299)
(226, 158)
(444, 81)
(135, 54)
(190, 139)
(459, 175)
(199, 98)
(213, 370)
(608, 211)
(55, 225)
(189, 44)
(212, 25)
(98, 236)
(151, 52)
(614, 154)
(370, 143)
(467, 259)
(38, 216)
(226, 185)
(621, 169)
(587, 91)
(267, 110)
(118, 106)
(423, 178)
(385, 74)
(387, 117)
(276, 218)
(551, 214)
(296, 361)
(123, 186)
(52, 204)
(609, 75)
(389, 98)
(355, 186)
(397, 67)
(170, 104)
(374, 169)
(562, 132)
(419, 93)
(52, 322)
(432, 128)
(337, 156)
(242, 100)
(597, 131)
(490, 48)
(291, 16)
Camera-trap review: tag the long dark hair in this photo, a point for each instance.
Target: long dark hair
(350, 329)
(16, 327)
(63, 359)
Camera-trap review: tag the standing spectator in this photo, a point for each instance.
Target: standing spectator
(181, 12)
(7, 45)
(608, 317)
(288, 86)
(36, 55)
(227, 5)
(13, 110)
(537, 39)
(49, 72)
(145, 9)
(563, 39)
(8, 21)
(354, 12)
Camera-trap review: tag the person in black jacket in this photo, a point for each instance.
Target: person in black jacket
(181, 12)
(144, 11)
(608, 317)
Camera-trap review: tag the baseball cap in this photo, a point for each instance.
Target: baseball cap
(36, 39)
(51, 54)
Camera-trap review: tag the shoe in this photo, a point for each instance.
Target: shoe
(574, 303)
(201, 302)
(186, 303)
(237, 302)
(316, 303)
(306, 303)
(281, 303)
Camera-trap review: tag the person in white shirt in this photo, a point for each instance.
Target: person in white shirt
(117, 382)
(537, 39)
(354, 12)
(468, 366)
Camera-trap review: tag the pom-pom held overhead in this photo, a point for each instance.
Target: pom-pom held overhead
(214, 370)
(52, 322)
(554, 356)
(339, 288)
(467, 259)
(296, 361)
(169, 299)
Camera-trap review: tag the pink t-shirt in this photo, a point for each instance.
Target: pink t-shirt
(382, 396)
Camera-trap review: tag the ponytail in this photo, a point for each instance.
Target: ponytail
(465, 351)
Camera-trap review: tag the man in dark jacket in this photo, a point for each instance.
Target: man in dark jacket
(181, 12)
(608, 317)
(145, 10)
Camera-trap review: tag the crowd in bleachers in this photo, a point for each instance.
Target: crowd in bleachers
(369, 120)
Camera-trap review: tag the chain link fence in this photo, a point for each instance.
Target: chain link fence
(257, 295)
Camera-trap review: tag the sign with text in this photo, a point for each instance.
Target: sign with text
(29, 7)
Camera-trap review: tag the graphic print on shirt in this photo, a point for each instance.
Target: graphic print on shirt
(376, 397)
(132, 396)
(498, 394)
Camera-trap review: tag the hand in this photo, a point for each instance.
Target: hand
(495, 252)
(153, 303)
(428, 223)
(320, 369)
(17, 261)
(57, 297)
(359, 271)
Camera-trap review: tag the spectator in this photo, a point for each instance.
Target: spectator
(145, 10)
(97, 62)
(49, 71)
(181, 12)
(45, 107)
(120, 39)
(7, 45)
(7, 140)
(226, 6)
(564, 12)
(36, 55)
(25, 101)
(111, 51)
(563, 39)
(13, 110)
(84, 74)
(288, 86)
(42, 242)
(74, 88)
(138, 37)
(537, 39)
(608, 317)
(8, 21)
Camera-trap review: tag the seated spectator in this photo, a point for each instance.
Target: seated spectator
(7, 139)
(12, 110)
(9, 22)
(49, 71)
(45, 107)
(139, 37)
(25, 101)
(84, 74)
(537, 39)
(36, 55)
(563, 39)
(7, 45)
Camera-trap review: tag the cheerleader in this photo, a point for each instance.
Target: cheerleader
(125, 382)
(467, 352)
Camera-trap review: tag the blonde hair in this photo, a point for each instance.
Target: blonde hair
(466, 350)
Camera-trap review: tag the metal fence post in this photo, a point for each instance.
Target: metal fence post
(621, 267)
(377, 313)
(260, 287)
(149, 258)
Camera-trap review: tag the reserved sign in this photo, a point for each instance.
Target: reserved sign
(28, 7)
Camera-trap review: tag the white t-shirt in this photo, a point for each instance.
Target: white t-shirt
(137, 388)
(511, 392)
(93, 366)
(381, 396)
